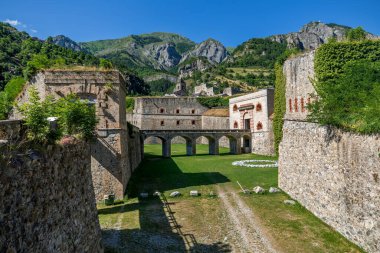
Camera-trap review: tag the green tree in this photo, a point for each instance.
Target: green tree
(356, 34)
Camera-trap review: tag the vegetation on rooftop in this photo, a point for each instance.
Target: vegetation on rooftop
(74, 117)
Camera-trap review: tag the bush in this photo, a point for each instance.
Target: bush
(351, 100)
(11, 90)
(330, 58)
(75, 117)
(35, 115)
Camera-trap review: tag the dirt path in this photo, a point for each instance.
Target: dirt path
(246, 228)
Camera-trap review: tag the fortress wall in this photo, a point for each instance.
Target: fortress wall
(48, 202)
(334, 174)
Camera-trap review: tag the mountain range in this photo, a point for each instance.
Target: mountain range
(161, 58)
(158, 51)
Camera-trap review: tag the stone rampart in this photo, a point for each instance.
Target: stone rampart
(335, 175)
(48, 202)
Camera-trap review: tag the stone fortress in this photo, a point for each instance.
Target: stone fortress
(186, 113)
(321, 167)
(115, 153)
(334, 174)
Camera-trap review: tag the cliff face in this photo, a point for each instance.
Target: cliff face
(212, 50)
(313, 34)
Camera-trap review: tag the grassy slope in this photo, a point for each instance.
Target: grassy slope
(293, 227)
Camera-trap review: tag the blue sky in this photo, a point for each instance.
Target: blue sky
(229, 21)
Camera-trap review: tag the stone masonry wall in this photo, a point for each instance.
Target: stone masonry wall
(335, 175)
(48, 202)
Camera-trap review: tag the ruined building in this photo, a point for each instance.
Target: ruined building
(117, 150)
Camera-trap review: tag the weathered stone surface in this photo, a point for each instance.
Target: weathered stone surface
(48, 204)
(258, 190)
(313, 34)
(335, 175)
(212, 50)
(289, 202)
(194, 193)
(117, 151)
(175, 194)
(274, 190)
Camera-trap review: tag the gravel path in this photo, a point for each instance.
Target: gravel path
(246, 228)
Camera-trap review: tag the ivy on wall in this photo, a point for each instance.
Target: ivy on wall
(331, 58)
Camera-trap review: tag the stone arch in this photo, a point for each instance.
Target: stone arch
(165, 142)
(213, 145)
(190, 143)
(234, 143)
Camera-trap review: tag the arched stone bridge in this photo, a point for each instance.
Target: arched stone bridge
(235, 139)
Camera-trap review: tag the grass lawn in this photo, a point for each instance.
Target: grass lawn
(292, 228)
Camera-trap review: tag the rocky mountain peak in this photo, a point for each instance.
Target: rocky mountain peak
(66, 42)
(211, 49)
(164, 54)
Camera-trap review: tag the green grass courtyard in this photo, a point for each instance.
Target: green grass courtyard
(217, 220)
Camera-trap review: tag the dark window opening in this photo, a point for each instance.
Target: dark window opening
(193, 111)
(193, 122)
(247, 124)
(259, 126)
(162, 123)
(177, 122)
(236, 124)
(177, 111)
(162, 110)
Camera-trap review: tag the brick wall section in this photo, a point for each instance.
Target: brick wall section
(48, 205)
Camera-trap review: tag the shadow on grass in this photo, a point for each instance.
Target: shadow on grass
(163, 174)
(159, 231)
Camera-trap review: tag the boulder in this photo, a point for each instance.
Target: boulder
(274, 190)
(259, 190)
(175, 194)
(194, 193)
(289, 202)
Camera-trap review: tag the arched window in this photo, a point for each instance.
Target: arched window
(290, 105)
(236, 125)
(302, 105)
(296, 104)
(177, 111)
(259, 126)
(193, 111)
(235, 108)
(259, 107)
(162, 123)
(162, 110)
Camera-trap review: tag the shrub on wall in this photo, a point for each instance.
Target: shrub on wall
(351, 100)
(75, 117)
(348, 86)
(330, 58)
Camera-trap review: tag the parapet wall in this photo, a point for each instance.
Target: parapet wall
(48, 202)
(335, 175)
